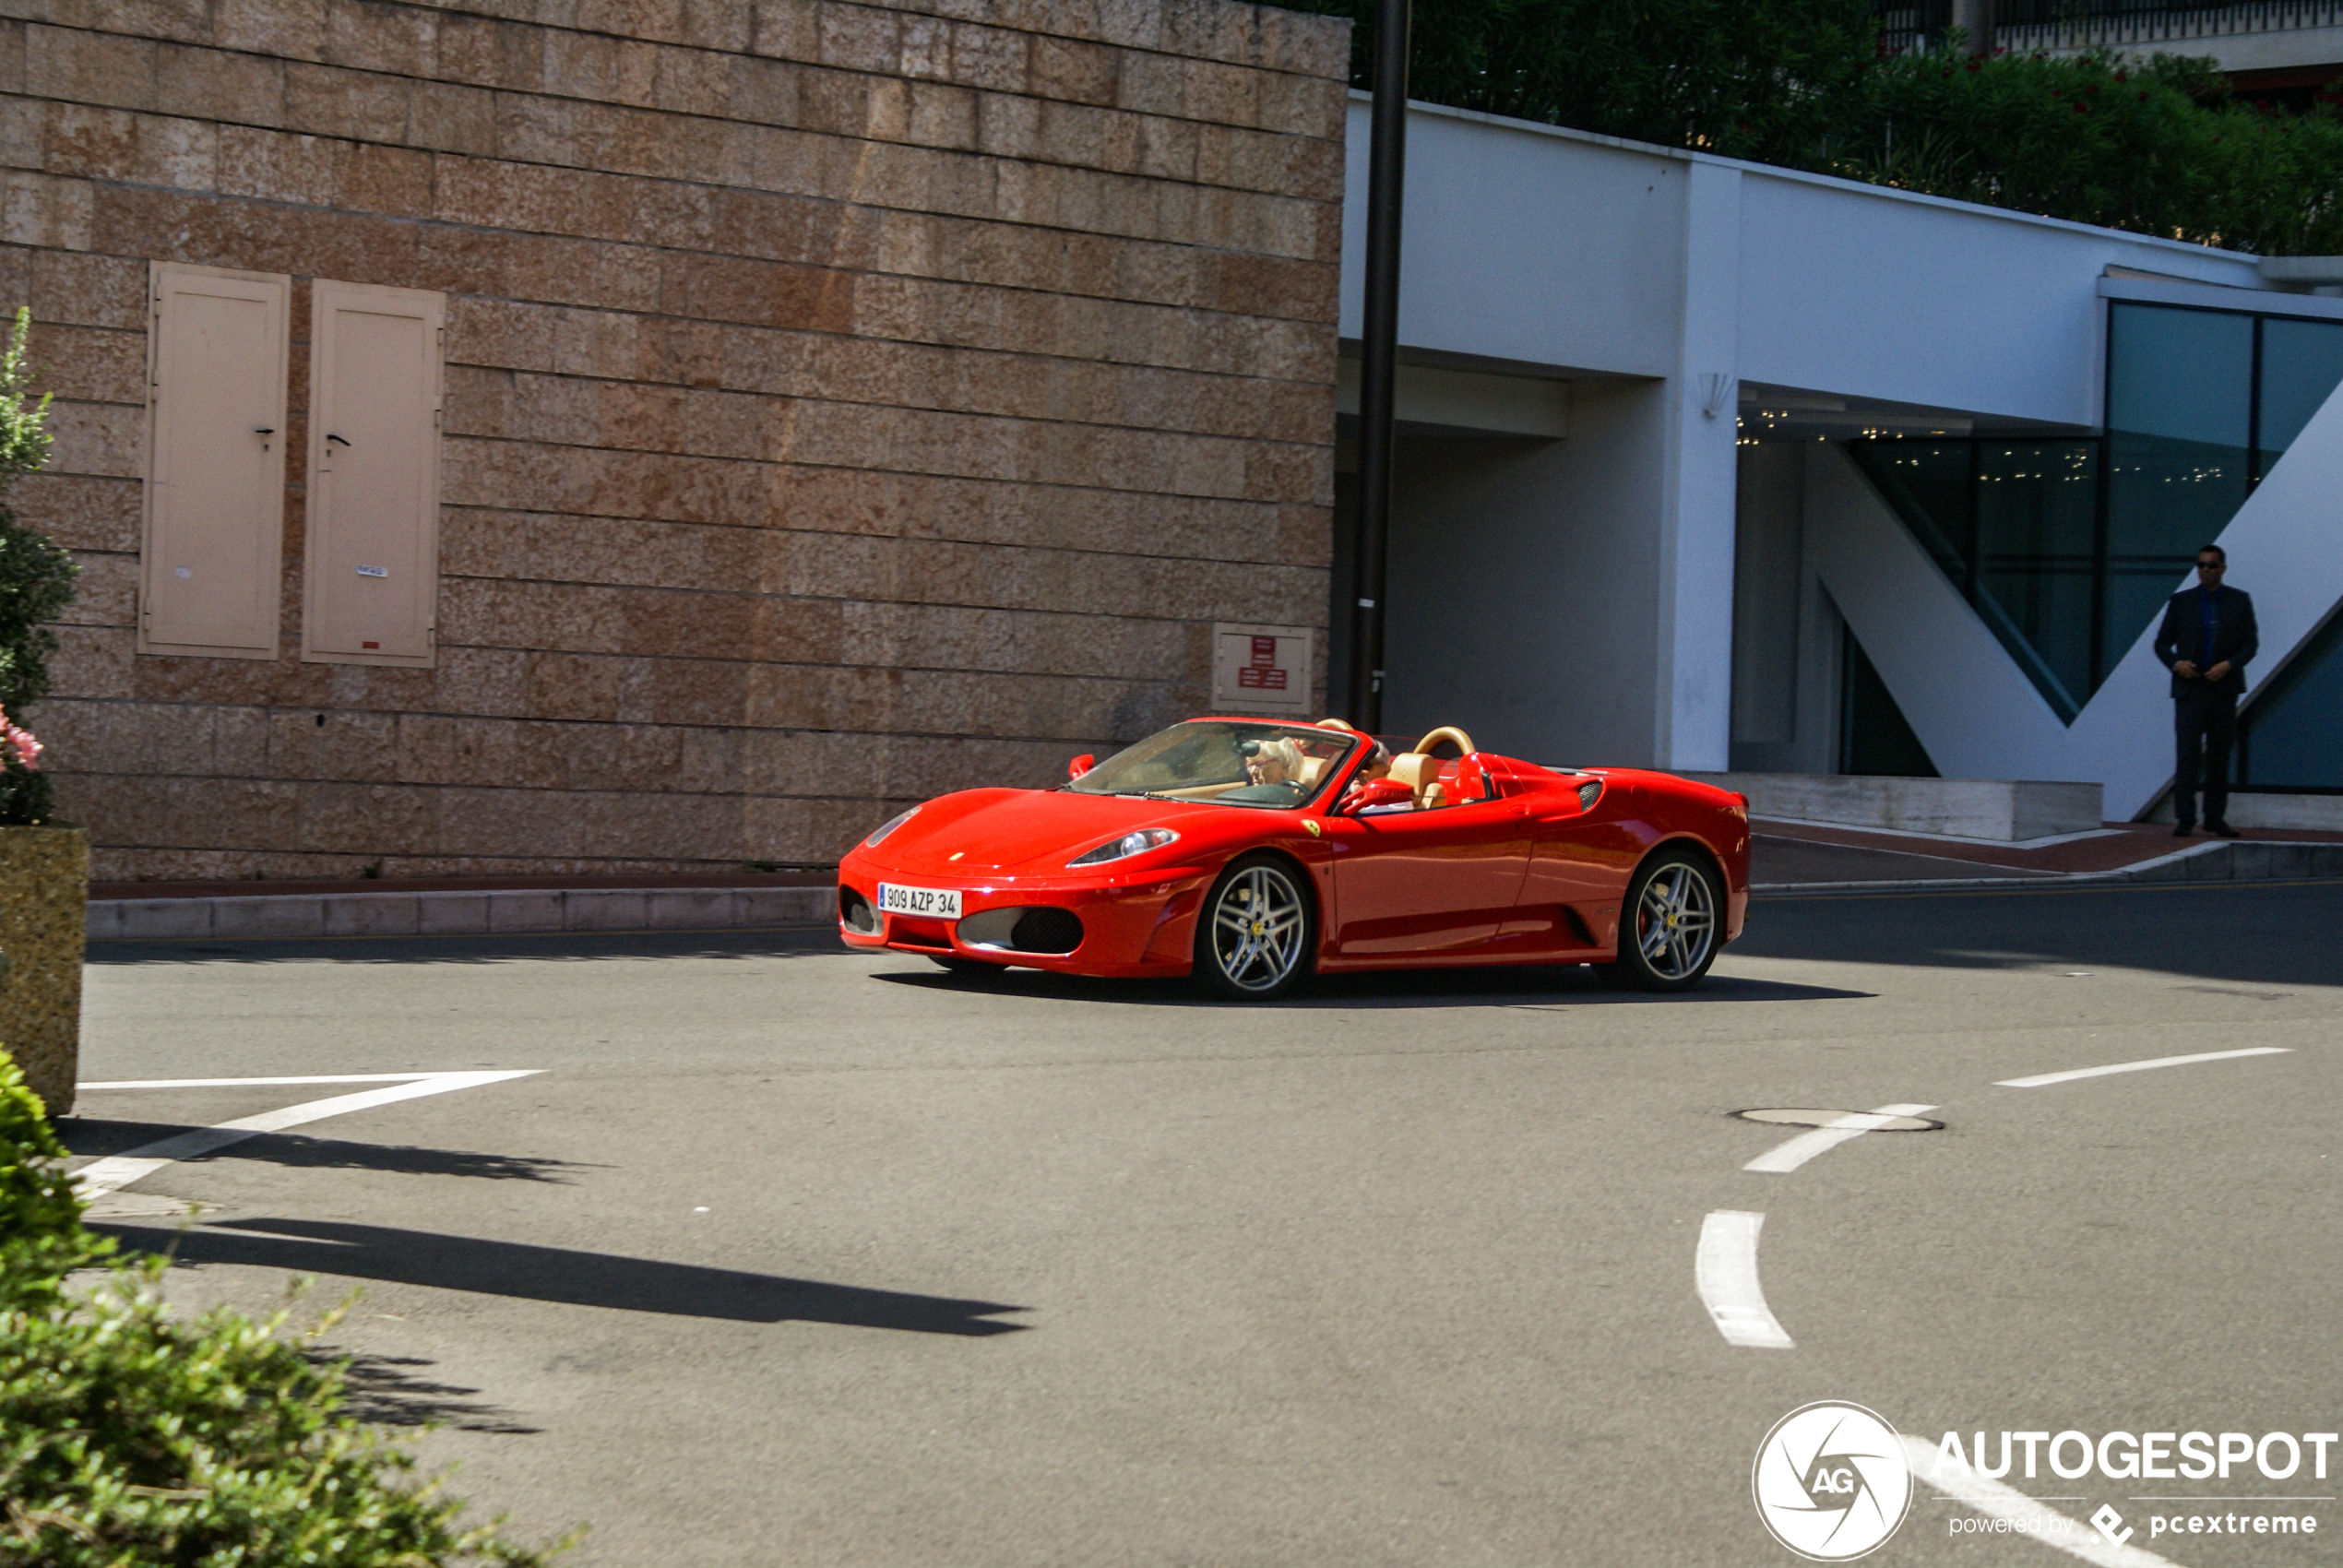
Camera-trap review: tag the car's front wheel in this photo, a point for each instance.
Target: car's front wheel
(1257, 932)
(1674, 926)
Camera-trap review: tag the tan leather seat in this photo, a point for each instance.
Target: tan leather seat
(1313, 773)
(1420, 774)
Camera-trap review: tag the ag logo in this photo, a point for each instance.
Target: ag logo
(1830, 1482)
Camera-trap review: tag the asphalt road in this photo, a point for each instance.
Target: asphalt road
(788, 1255)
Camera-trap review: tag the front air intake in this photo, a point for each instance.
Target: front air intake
(1042, 929)
(855, 912)
(1031, 928)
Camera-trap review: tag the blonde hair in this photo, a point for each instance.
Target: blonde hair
(1285, 754)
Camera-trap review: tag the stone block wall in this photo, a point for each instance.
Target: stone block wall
(845, 402)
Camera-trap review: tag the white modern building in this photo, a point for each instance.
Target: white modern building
(1711, 465)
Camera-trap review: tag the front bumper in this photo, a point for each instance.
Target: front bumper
(1140, 923)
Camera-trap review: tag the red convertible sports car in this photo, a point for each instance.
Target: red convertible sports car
(1250, 853)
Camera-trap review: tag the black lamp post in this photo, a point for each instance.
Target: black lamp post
(1386, 168)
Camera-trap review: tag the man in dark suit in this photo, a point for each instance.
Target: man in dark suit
(2207, 635)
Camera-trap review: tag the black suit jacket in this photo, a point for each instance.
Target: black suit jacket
(2235, 638)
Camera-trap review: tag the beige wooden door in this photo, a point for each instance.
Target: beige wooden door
(212, 560)
(372, 556)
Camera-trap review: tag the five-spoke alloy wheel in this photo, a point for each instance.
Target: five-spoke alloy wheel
(1674, 922)
(1257, 931)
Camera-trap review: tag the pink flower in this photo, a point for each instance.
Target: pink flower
(19, 741)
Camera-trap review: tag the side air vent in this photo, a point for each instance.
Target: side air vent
(855, 912)
(1031, 928)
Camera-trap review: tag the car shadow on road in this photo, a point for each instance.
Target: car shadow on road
(1573, 986)
(95, 1138)
(557, 1274)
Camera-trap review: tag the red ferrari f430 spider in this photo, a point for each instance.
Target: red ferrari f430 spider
(1250, 853)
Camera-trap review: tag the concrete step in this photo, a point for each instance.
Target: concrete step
(467, 913)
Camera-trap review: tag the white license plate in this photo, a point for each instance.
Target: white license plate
(934, 903)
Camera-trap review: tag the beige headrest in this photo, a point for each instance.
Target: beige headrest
(1417, 771)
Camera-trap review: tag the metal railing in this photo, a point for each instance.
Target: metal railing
(2023, 26)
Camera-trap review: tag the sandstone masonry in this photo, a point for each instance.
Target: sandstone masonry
(843, 402)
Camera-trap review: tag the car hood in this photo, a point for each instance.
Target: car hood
(1017, 830)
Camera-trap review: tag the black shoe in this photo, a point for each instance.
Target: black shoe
(2220, 830)
(2183, 829)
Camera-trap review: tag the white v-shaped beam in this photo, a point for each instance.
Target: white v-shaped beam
(1969, 701)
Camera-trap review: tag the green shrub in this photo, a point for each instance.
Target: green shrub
(132, 1439)
(2157, 147)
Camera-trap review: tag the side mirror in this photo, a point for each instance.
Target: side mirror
(1378, 795)
(1080, 766)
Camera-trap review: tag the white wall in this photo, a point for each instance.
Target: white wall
(1529, 242)
(1521, 576)
(1520, 247)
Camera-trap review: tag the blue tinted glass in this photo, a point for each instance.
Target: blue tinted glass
(2302, 364)
(2036, 505)
(2292, 736)
(2178, 384)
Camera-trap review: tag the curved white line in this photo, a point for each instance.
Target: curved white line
(2038, 1079)
(1789, 1156)
(1725, 1272)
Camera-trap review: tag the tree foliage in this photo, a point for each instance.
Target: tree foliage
(2159, 147)
(35, 577)
(130, 1438)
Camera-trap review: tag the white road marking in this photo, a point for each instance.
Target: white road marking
(1805, 1145)
(2047, 1526)
(238, 1083)
(2041, 1079)
(1725, 1272)
(116, 1171)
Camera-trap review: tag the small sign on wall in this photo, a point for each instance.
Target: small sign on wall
(1261, 669)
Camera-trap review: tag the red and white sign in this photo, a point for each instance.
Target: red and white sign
(1261, 669)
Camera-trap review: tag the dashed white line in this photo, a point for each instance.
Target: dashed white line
(2027, 1515)
(2038, 1079)
(1725, 1272)
(1789, 1156)
(117, 1172)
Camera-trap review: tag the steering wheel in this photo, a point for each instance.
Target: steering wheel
(1445, 732)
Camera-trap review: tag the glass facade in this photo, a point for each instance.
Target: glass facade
(2290, 737)
(2068, 548)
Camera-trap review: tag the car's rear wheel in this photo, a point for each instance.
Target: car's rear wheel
(1674, 928)
(1257, 933)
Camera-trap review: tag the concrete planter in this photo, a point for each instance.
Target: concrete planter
(44, 888)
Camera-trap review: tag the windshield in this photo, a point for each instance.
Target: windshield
(1228, 763)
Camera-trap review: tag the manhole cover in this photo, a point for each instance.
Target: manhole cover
(1801, 1116)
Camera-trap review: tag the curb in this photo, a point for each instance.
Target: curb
(2222, 860)
(458, 913)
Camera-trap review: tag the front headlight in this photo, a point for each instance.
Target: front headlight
(1125, 847)
(889, 825)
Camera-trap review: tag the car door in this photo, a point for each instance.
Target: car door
(1425, 883)
(1579, 861)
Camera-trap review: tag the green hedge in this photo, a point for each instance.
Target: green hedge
(130, 1438)
(2160, 147)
